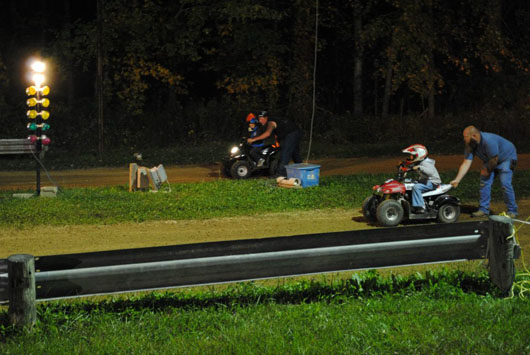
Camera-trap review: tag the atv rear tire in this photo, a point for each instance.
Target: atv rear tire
(389, 213)
(274, 166)
(448, 213)
(240, 170)
(370, 208)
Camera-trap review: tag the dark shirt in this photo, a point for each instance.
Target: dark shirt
(284, 127)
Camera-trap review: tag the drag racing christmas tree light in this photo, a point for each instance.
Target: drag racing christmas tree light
(36, 113)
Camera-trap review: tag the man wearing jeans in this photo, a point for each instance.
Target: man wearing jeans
(499, 157)
(289, 136)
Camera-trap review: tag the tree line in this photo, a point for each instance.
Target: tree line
(132, 72)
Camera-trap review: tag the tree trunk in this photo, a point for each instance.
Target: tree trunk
(431, 103)
(358, 66)
(99, 79)
(376, 89)
(70, 87)
(388, 90)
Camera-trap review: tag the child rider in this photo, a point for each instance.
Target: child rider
(429, 176)
(257, 146)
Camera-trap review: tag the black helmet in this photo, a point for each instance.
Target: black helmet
(263, 114)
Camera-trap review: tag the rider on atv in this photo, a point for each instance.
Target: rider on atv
(429, 178)
(255, 129)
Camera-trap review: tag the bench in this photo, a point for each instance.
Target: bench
(18, 146)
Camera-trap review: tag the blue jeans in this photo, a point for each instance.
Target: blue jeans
(417, 190)
(290, 148)
(505, 176)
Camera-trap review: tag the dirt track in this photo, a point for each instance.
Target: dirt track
(197, 173)
(46, 240)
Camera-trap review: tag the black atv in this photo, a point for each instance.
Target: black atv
(240, 165)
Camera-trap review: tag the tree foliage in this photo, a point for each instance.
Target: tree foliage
(192, 69)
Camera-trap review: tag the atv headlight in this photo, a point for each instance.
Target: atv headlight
(234, 150)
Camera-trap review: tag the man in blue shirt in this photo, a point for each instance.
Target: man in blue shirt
(500, 158)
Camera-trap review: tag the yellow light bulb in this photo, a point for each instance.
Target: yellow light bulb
(45, 102)
(44, 115)
(31, 102)
(32, 90)
(45, 90)
(31, 114)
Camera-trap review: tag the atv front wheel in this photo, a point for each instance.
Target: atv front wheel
(370, 208)
(389, 213)
(240, 170)
(448, 213)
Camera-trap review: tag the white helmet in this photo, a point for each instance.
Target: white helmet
(416, 152)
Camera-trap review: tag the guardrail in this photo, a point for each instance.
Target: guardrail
(79, 275)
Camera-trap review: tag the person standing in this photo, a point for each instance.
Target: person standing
(499, 157)
(289, 136)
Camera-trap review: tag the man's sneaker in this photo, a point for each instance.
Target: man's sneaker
(479, 214)
(260, 162)
(512, 215)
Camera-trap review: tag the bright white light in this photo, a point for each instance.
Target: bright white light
(38, 66)
(234, 150)
(38, 79)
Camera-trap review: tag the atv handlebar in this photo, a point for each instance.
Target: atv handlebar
(402, 169)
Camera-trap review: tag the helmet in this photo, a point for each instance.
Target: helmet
(263, 114)
(417, 153)
(250, 117)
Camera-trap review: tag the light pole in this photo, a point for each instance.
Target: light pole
(36, 103)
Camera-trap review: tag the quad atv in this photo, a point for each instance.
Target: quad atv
(391, 202)
(240, 165)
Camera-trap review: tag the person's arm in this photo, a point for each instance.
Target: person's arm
(462, 171)
(266, 134)
(428, 170)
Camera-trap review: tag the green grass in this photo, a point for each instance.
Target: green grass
(445, 312)
(223, 198)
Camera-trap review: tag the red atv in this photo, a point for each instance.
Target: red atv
(391, 202)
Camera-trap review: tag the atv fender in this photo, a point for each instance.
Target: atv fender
(441, 200)
(407, 208)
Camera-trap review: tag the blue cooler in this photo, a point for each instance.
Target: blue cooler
(308, 174)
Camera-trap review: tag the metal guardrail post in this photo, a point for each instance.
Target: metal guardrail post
(21, 289)
(502, 249)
